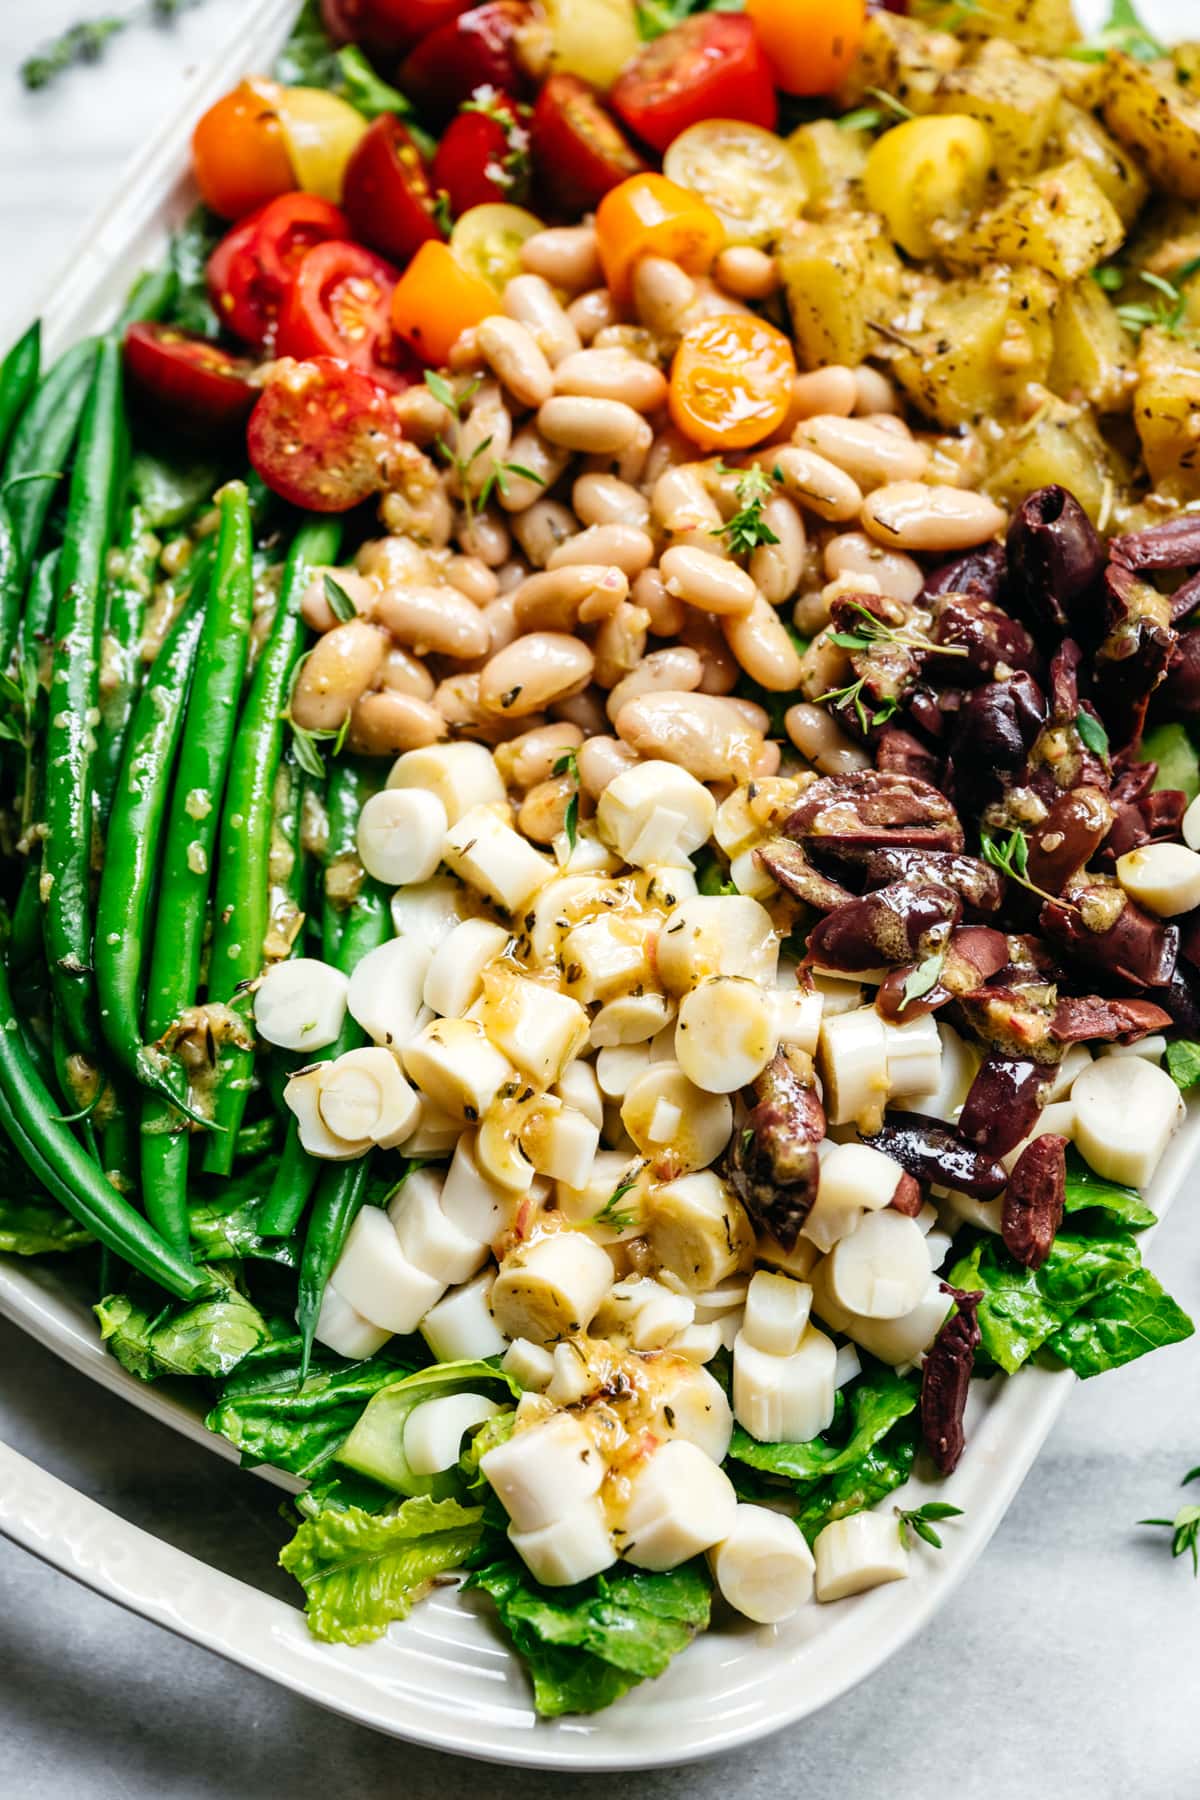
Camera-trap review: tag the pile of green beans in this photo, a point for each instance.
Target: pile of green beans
(145, 773)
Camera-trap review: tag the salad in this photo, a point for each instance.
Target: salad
(601, 817)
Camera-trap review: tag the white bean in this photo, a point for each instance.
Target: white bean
(585, 710)
(578, 422)
(361, 590)
(433, 621)
(485, 535)
(821, 739)
(707, 581)
(483, 439)
(500, 619)
(565, 255)
(591, 313)
(665, 613)
(662, 294)
(747, 272)
(761, 644)
(701, 633)
(699, 732)
(533, 672)
(620, 644)
(514, 358)
(681, 502)
(914, 515)
(601, 760)
(472, 578)
(530, 758)
(817, 483)
(871, 456)
(542, 527)
(606, 500)
(405, 674)
(675, 669)
(854, 553)
(831, 389)
(612, 375)
(533, 302)
(551, 601)
(545, 463)
(342, 665)
(543, 812)
(776, 568)
(623, 546)
(389, 723)
(874, 392)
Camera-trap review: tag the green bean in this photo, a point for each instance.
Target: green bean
(291, 1187)
(343, 803)
(55, 1159)
(132, 847)
(12, 583)
(74, 687)
(25, 934)
(150, 296)
(18, 378)
(39, 603)
(178, 937)
(241, 901)
(130, 585)
(41, 442)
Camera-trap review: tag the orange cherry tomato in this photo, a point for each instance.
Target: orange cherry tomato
(810, 44)
(731, 381)
(651, 216)
(436, 299)
(239, 153)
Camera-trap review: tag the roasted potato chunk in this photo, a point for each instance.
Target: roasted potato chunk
(1166, 411)
(1060, 221)
(838, 274)
(1093, 355)
(902, 58)
(1059, 444)
(1158, 118)
(1046, 26)
(1078, 134)
(1015, 98)
(831, 160)
(982, 344)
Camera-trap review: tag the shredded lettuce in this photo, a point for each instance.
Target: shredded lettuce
(210, 1338)
(360, 1570)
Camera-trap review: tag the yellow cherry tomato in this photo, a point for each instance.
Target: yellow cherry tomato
(749, 177)
(486, 241)
(649, 215)
(928, 176)
(731, 381)
(321, 133)
(810, 44)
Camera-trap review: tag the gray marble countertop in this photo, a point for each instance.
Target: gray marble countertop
(1065, 1666)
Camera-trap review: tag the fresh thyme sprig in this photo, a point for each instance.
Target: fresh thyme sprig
(746, 529)
(1092, 734)
(304, 739)
(923, 978)
(87, 41)
(919, 1520)
(1122, 31)
(876, 631)
(1167, 312)
(568, 764)
(610, 1213)
(496, 480)
(1184, 1527)
(851, 695)
(1011, 857)
(340, 604)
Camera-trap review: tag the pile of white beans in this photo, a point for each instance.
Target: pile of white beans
(562, 1024)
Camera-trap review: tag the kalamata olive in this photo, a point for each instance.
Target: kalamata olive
(1181, 998)
(1064, 679)
(986, 633)
(1012, 1014)
(1032, 1209)
(1151, 819)
(1068, 837)
(788, 864)
(1079, 1018)
(933, 711)
(973, 955)
(946, 1381)
(898, 924)
(1179, 695)
(1055, 559)
(996, 728)
(871, 808)
(1002, 1103)
(898, 752)
(931, 1151)
(1175, 544)
(976, 882)
(773, 1165)
(1185, 599)
(1134, 947)
(980, 573)
(908, 1198)
(1135, 654)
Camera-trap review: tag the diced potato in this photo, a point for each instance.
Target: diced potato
(927, 177)
(1158, 118)
(1078, 133)
(1093, 354)
(1047, 26)
(1059, 221)
(1166, 411)
(838, 274)
(901, 58)
(831, 160)
(1015, 98)
(1060, 444)
(983, 342)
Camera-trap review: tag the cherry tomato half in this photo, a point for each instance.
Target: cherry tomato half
(579, 150)
(193, 384)
(386, 27)
(731, 381)
(483, 156)
(239, 153)
(389, 198)
(477, 49)
(711, 66)
(810, 44)
(339, 304)
(250, 268)
(322, 434)
(651, 216)
(436, 299)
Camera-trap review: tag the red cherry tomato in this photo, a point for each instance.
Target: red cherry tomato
(579, 150)
(388, 196)
(478, 49)
(484, 156)
(339, 304)
(250, 269)
(387, 27)
(322, 434)
(193, 384)
(711, 66)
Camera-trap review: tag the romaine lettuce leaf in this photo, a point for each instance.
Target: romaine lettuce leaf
(209, 1338)
(587, 1645)
(376, 1445)
(1121, 1324)
(273, 1419)
(1088, 1192)
(876, 1402)
(1171, 747)
(1022, 1308)
(1183, 1063)
(360, 1570)
(885, 1467)
(35, 1227)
